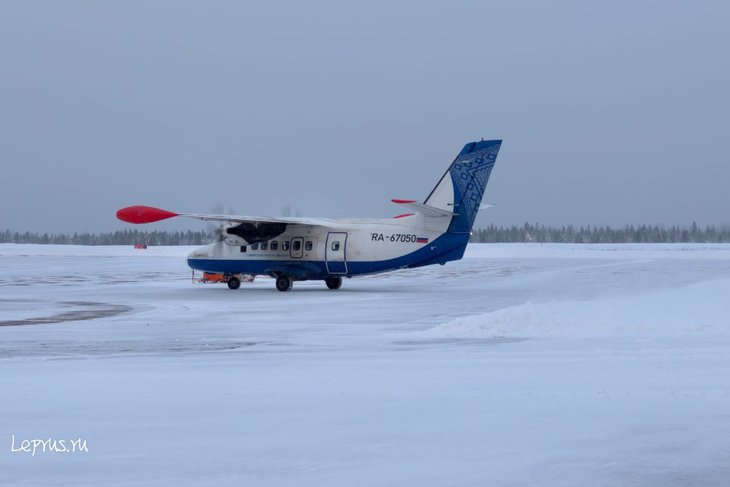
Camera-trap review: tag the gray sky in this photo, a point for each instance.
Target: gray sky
(611, 112)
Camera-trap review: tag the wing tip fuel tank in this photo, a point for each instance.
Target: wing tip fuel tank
(143, 214)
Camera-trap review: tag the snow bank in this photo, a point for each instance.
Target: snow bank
(700, 309)
(597, 251)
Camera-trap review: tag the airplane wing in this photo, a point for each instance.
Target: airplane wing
(425, 210)
(147, 214)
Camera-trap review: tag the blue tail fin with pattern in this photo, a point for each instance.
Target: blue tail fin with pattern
(461, 188)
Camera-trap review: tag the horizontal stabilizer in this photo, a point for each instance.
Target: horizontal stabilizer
(423, 209)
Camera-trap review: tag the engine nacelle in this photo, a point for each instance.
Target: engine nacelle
(234, 241)
(250, 233)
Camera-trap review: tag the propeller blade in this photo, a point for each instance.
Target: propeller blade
(219, 232)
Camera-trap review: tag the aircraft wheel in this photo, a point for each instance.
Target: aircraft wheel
(283, 283)
(333, 282)
(234, 283)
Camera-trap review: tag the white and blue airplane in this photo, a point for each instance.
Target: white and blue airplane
(299, 249)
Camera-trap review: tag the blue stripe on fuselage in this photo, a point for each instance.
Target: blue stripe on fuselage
(446, 248)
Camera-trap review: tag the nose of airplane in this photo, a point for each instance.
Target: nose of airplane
(200, 253)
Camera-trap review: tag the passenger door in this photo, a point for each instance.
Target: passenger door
(296, 249)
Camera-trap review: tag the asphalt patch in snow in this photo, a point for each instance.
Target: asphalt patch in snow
(84, 310)
(114, 348)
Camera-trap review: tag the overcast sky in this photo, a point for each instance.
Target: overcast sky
(611, 112)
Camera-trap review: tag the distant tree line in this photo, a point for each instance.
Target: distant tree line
(514, 233)
(590, 234)
(122, 237)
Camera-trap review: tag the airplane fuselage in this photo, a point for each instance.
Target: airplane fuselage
(342, 248)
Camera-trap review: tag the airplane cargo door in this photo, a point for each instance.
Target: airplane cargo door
(334, 253)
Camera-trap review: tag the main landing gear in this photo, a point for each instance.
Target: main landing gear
(283, 283)
(333, 282)
(234, 282)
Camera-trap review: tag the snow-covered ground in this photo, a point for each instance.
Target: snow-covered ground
(518, 365)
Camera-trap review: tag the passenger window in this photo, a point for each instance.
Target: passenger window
(285, 245)
(274, 245)
(254, 246)
(243, 248)
(335, 246)
(308, 245)
(296, 245)
(264, 245)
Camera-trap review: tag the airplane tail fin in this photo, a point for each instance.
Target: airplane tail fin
(461, 188)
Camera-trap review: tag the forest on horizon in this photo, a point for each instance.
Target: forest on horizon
(490, 234)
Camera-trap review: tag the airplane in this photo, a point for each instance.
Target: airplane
(300, 249)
